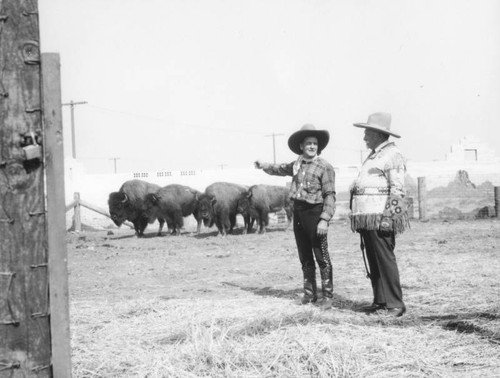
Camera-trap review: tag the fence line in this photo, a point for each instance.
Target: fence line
(77, 217)
(464, 202)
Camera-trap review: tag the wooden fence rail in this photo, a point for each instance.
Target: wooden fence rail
(77, 217)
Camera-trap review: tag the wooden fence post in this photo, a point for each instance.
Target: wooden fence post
(56, 216)
(77, 218)
(25, 339)
(422, 199)
(497, 201)
(411, 210)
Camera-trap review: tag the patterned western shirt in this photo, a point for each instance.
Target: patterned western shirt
(314, 183)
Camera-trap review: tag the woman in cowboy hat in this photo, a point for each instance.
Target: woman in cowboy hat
(378, 212)
(313, 195)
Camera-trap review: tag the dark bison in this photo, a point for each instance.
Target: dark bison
(264, 199)
(129, 204)
(219, 206)
(173, 203)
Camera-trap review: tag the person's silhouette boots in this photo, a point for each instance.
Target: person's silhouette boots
(310, 288)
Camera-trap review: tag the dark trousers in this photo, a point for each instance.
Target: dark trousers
(384, 272)
(311, 246)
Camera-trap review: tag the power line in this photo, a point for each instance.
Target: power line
(274, 145)
(222, 165)
(72, 104)
(115, 159)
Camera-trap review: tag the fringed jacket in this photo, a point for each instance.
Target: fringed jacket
(378, 193)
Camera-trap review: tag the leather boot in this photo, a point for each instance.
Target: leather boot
(327, 289)
(310, 288)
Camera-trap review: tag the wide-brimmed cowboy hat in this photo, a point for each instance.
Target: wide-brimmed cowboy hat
(305, 131)
(380, 122)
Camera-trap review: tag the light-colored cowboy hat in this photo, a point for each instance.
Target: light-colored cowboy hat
(379, 122)
(305, 131)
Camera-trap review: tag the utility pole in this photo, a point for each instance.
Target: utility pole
(72, 104)
(115, 159)
(274, 145)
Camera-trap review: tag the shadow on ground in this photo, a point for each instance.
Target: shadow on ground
(463, 323)
(339, 301)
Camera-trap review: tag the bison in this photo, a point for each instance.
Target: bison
(173, 203)
(129, 204)
(264, 199)
(219, 205)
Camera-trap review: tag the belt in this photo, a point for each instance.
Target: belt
(370, 191)
(303, 205)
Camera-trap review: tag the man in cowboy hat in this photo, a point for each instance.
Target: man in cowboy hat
(378, 212)
(313, 195)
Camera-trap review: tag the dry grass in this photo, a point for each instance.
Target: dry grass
(250, 325)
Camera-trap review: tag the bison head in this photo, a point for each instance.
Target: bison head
(246, 207)
(206, 209)
(152, 206)
(118, 209)
(243, 203)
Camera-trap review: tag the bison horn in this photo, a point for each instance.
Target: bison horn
(125, 199)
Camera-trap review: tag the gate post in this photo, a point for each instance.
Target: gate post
(422, 199)
(77, 220)
(497, 201)
(56, 216)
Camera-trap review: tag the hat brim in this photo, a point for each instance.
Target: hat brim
(297, 137)
(376, 128)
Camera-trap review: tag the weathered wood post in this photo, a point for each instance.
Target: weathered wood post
(56, 216)
(411, 210)
(497, 201)
(422, 199)
(77, 220)
(25, 338)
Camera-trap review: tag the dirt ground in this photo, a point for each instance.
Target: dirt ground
(116, 265)
(169, 305)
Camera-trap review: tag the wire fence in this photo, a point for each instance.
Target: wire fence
(458, 196)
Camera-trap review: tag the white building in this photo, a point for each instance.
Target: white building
(471, 149)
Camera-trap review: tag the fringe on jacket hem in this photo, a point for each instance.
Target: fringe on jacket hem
(372, 222)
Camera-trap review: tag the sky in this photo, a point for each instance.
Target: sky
(204, 84)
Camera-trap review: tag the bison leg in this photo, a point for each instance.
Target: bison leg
(161, 221)
(219, 226)
(248, 226)
(178, 222)
(136, 228)
(264, 221)
(198, 227)
(232, 222)
(140, 225)
(224, 227)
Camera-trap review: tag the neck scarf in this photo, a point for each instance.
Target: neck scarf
(298, 163)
